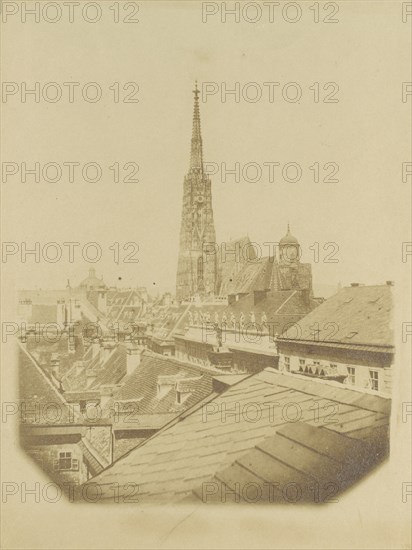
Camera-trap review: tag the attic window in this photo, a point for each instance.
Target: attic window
(351, 334)
(66, 462)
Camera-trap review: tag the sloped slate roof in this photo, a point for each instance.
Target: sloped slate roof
(339, 425)
(300, 463)
(252, 275)
(355, 315)
(141, 385)
(37, 393)
(112, 370)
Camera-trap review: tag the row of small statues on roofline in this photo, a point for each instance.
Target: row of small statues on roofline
(199, 318)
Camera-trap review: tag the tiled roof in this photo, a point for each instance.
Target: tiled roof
(42, 351)
(106, 372)
(37, 392)
(125, 305)
(76, 378)
(113, 370)
(141, 385)
(252, 275)
(341, 434)
(353, 316)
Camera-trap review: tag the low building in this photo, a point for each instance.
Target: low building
(61, 441)
(349, 337)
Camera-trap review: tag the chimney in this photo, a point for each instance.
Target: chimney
(76, 310)
(61, 313)
(106, 393)
(25, 309)
(95, 347)
(102, 301)
(134, 355)
(106, 347)
(55, 365)
(71, 342)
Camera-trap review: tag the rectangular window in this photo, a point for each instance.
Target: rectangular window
(351, 376)
(287, 363)
(66, 462)
(302, 364)
(374, 379)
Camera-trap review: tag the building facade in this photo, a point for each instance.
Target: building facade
(348, 338)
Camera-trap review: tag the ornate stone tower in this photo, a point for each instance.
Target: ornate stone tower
(196, 270)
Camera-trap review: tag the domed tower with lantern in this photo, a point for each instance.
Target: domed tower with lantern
(289, 249)
(293, 274)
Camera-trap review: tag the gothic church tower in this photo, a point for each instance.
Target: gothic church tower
(196, 270)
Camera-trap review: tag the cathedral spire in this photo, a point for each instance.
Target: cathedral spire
(196, 152)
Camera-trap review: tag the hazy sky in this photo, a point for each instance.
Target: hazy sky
(367, 133)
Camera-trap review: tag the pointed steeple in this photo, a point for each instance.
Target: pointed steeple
(196, 152)
(196, 271)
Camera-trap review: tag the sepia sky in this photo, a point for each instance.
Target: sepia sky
(367, 133)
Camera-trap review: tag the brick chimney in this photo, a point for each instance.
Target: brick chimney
(55, 365)
(95, 347)
(61, 313)
(107, 345)
(134, 355)
(71, 343)
(102, 300)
